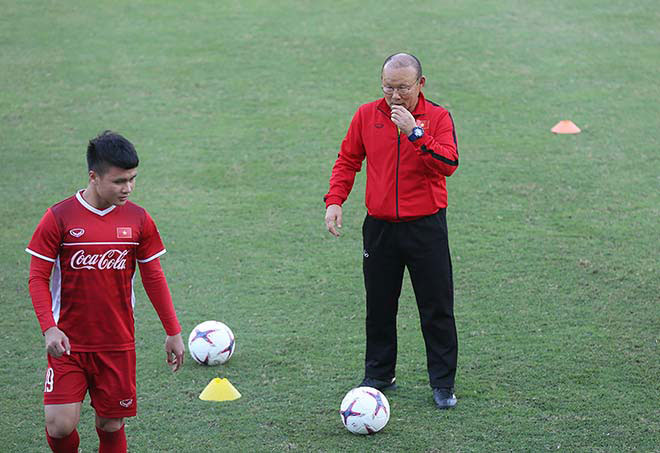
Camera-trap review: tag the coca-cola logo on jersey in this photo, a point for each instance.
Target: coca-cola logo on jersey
(112, 259)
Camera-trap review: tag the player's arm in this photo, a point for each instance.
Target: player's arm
(155, 285)
(44, 248)
(57, 343)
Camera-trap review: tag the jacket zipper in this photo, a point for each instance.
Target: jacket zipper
(398, 157)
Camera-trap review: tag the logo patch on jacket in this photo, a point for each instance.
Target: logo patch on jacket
(124, 233)
(379, 125)
(422, 123)
(76, 232)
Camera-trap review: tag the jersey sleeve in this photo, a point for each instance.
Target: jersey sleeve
(151, 245)
(47, 238)
(44, 248)
(39, 286)
(155, 285)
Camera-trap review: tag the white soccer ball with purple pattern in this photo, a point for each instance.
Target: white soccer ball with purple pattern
(364, 410)
(211, 343)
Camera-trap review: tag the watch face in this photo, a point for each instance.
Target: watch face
(418, 131)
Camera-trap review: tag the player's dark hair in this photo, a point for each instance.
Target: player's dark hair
(110, 149)
(403, 60)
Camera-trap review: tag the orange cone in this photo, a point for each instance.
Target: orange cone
(565, 127)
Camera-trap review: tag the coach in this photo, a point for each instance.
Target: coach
(410, 146)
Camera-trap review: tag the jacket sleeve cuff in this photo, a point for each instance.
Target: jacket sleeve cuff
(423, 140)
(333, 199)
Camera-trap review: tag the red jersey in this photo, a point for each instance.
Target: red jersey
(405, 180)
(95, 254)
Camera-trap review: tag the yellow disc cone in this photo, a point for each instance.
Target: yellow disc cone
(219, 390)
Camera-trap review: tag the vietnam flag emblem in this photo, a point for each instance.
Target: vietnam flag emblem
(124, 233)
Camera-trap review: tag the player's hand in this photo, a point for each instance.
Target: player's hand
(57, 343)
(175, 351)
(333, 219)
(402, 118)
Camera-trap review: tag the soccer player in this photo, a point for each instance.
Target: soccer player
(93, 240)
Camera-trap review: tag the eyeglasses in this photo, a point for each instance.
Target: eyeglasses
(403, 90)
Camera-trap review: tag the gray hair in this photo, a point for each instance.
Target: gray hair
(403, 60)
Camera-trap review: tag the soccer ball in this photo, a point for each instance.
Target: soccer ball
(364, 410)
(211, 343)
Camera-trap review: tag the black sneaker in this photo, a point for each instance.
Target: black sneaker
(378, 384)
(444, 397)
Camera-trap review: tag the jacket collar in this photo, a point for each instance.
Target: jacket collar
(420, 109)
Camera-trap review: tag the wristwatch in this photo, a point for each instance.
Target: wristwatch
(416, 133)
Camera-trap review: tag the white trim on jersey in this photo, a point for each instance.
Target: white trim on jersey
(151, 258)
(92, 208)
(133, 293)
(56, 290)
(32, 252)
(101, 243)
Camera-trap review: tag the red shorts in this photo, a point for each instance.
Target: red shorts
(109, 376)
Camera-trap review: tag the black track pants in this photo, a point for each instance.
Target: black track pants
(422, 246)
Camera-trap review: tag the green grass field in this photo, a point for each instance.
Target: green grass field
(237, 109)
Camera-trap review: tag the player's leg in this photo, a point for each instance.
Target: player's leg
(113, 395)
(429, 264)
(61, 423)
(383, 277)
(112, 438)
(65, 386)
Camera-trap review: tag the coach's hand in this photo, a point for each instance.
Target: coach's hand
(402, 118)
(174, 349)
(333, 219)
(57, 343)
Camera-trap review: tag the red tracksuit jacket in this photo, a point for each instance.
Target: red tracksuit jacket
(405, 180)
